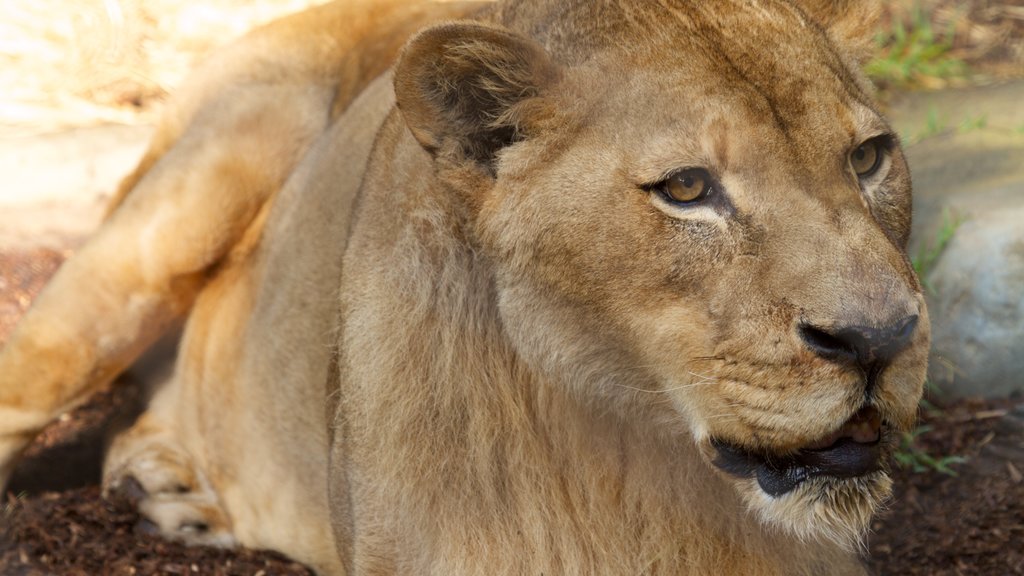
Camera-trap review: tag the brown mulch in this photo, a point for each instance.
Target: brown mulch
(972, 523)
(937, 524)
(77, 533)
(59, 524)
(53, 520)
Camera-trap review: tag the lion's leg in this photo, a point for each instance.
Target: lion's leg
(149, 468)
(146, 265)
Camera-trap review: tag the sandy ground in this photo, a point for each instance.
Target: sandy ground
(81, 83)
(74, 63)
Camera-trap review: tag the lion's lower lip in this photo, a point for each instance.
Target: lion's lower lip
(851, 452)
(845, 459)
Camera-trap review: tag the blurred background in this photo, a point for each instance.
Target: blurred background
(74, 63)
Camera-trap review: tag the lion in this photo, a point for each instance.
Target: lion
(574, 287)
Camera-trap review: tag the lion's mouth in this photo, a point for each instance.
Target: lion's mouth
(851, 451)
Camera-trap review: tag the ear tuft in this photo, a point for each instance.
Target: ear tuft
(465, 84)
(850, 24)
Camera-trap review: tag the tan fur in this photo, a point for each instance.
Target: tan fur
(438, 321)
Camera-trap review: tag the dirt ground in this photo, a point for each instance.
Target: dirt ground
(972, 523)
(132, 52)
(53, 520)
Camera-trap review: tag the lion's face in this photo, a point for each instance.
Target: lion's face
(707, 234)
(722, 249)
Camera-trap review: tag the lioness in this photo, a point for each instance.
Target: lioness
(578, 287)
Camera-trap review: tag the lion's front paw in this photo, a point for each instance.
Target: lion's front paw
(195, 518)
(151, 474)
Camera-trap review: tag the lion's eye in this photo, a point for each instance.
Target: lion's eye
(867, 158)
(686, 186)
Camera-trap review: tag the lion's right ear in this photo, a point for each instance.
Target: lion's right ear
(462, 86)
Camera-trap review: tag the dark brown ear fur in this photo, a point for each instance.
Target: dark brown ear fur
(461, 87)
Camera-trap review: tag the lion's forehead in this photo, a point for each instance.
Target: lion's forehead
(708, 70)
(574, 31)
(636, 135)
(703, 109)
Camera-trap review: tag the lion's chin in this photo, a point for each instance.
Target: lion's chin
(838, 510)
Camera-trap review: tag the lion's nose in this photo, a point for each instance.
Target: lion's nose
(869, 348)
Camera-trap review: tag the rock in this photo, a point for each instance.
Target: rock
(966, 153)
(977, 306)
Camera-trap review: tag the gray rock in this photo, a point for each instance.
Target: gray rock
(977, 306)
(972, 171)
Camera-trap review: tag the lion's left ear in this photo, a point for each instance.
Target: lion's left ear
(851, 24)
(464, 84)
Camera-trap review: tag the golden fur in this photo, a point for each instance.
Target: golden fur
(440, 320)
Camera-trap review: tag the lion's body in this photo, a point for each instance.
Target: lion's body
(423, 341)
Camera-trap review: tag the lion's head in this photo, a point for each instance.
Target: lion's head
(698, 219)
